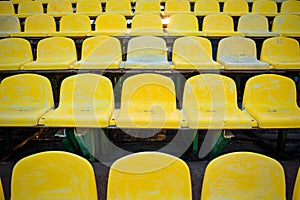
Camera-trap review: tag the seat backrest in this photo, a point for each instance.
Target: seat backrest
(147, 6)
(206, 6)
(111, 22)
(246, 177)
(41, 23)
(146, 21)
(53, 175)
(264, 7)
(75, 22)
(146, 92)
(1, 191)
(183, 22)
(290, 7)
(30, 8)
(286, 23)
(253, 23)
(149, 175)
(296, 192)
(59, 7)
(88, 6)
(235, 6)
(6, 7)
(9, 24)
(177, 6)
(56, 49)
(218, 22)
(118, 7)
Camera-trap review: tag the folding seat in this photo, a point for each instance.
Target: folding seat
(53, 175)
(287, 25)
(53, 53)
(206, 7)
(86, 100)
(149, 175)
(110, 24)
(235, 7)
(193, 53)
(6, 7)
(147, 7)
(281, 53)
(147, 24)
(177, 7)
(41, 25)
(296, 192)
(14, 52)
(271, 100)
(247, 176)
(254, 25)
(265, 7)
(147, 52)
(122, 7)
(100, 52)
(28, 8)
(58, 8)
(239, 53)
(290, 7)
(219, 25)
(9, 24)
(183, 24)
(75, 25)
(148, 101)
(210, 102)
(90, 8)
(24, 98)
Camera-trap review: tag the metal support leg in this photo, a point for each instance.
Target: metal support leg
(195, 142)
(281, 141)
(221, 143)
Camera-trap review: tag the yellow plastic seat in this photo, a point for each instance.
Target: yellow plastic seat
(146, 24)
(14, 52)
(239, 53)
(254, 25)
(1, 191)
(206, 7)
(271, 100)
(100, 52)
(177, 7)
(193, 53)
(122, 7)
(147, 52)
(24, 98)
(110, 24)
(149, 175)
(86, 100)
(91, 8)
(53, 175)
(41, 25)
(9, 24)
(6, 7)
(287, 25)
(53, 53)
(183, 24)
(219, 25)
(235, 7)
(148, 101)
(147, 7)
(296, 192)
(28, 8)
(290, 7)
(75, 25)
(210, 102)
(18, 1)
(281, 53)
(58, 8)
(265, 7)
(243, 175)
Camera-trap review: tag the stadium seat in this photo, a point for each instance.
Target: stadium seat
(235, 7)
(86, 100)
(147, 7)
(271, 100)
(296, 192)
(149, 175)
(265, 7)
(183, 24)
(53, 53)
(28, 8)
(74, 25)
(14, 52)
(281, 53)
(58, 8)
(206, 7)
(219, 25)
(90, 8)
(53, 175)
(100, 52)
(210, 102)
(1, 191)
(290, 7)
(177, 7)
(147, 52)
(148, 101)
(243, 175)
(40, 25)
(18, 1)
(110, 24)
(9, 24)
(6, 7)
(287, 25)
(122, 7)
(254, 25)
(239, 53)
(24, 98)
(193, 53)
(146, 24)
